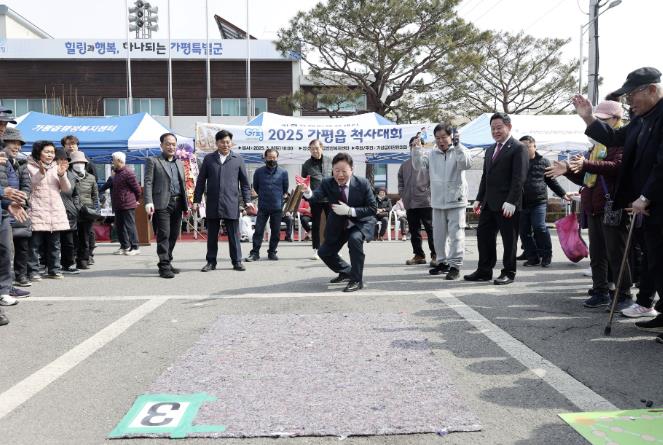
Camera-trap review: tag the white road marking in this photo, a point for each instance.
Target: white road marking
(543, 318)
(31, 385)
(259, 296)
(577, 393)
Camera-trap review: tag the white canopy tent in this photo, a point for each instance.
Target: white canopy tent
(554, 133)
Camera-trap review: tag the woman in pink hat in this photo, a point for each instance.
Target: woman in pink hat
(596, 173)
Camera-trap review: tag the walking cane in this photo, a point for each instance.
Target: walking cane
(615, 296)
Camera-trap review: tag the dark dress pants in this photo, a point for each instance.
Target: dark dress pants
(534, 233)
(21, 256)
(606, 250)
(490, 223)
(82, 240)
(289, 226)
(167, 224)
(67, 248)
(232, 227)
(274, 217)
(92, 240)
(654, 242)
(48, 245)
(125, 225)
(328, 253)
(647, 280)
(306, 222)
(5, 256)
(415, 218)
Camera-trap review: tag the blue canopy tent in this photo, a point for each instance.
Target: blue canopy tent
(137, 135)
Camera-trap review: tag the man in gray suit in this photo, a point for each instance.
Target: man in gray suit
(165, 200)
(223, 173)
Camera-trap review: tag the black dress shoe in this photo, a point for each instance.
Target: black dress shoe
(239, 267)
(166, 273)
(453, 274)
(340, 278)
(353, 286)
(503, 279)
(478, 276)
(207, 267)
(521, 257)
(252, 257)
(175, 270)
(272, 257)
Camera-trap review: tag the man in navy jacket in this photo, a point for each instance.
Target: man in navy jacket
(351, 221)
(270, 183)
(223, 173)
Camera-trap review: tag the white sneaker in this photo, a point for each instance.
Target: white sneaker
(611, 286)
(120, 252)
(7, 300)
(587, 272)
(315, 255)
(637, 311)
(132, 252)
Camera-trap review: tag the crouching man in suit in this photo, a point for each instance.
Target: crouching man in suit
(351, 221)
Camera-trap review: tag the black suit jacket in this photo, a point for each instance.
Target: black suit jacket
(158, 179)
(503, 178)
(360, 197)
(641, 171)
(223, 183)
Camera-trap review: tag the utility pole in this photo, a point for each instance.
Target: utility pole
(593, 78)
(592, 81)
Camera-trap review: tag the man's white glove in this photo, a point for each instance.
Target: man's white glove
(149, 208)
(508, 210)
(342, 209)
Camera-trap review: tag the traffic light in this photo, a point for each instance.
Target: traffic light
(143, 19)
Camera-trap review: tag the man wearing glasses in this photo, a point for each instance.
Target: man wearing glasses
(640, 184)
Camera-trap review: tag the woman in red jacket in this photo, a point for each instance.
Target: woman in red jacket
(597, 173)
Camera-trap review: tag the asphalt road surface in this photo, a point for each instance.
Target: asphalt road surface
(80, 350)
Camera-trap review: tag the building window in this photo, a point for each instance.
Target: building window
(380, 176)
(349, 106)
(237, 107)
(22, 106)
(155, 106)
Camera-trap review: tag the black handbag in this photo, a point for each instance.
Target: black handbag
(611, 217)
(21, 229)
(87, 214)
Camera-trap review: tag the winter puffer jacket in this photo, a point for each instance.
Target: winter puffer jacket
(592, 199)
(47, 211)
(535, 190)
(125, 191)
(88, 191)
(71, 200)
